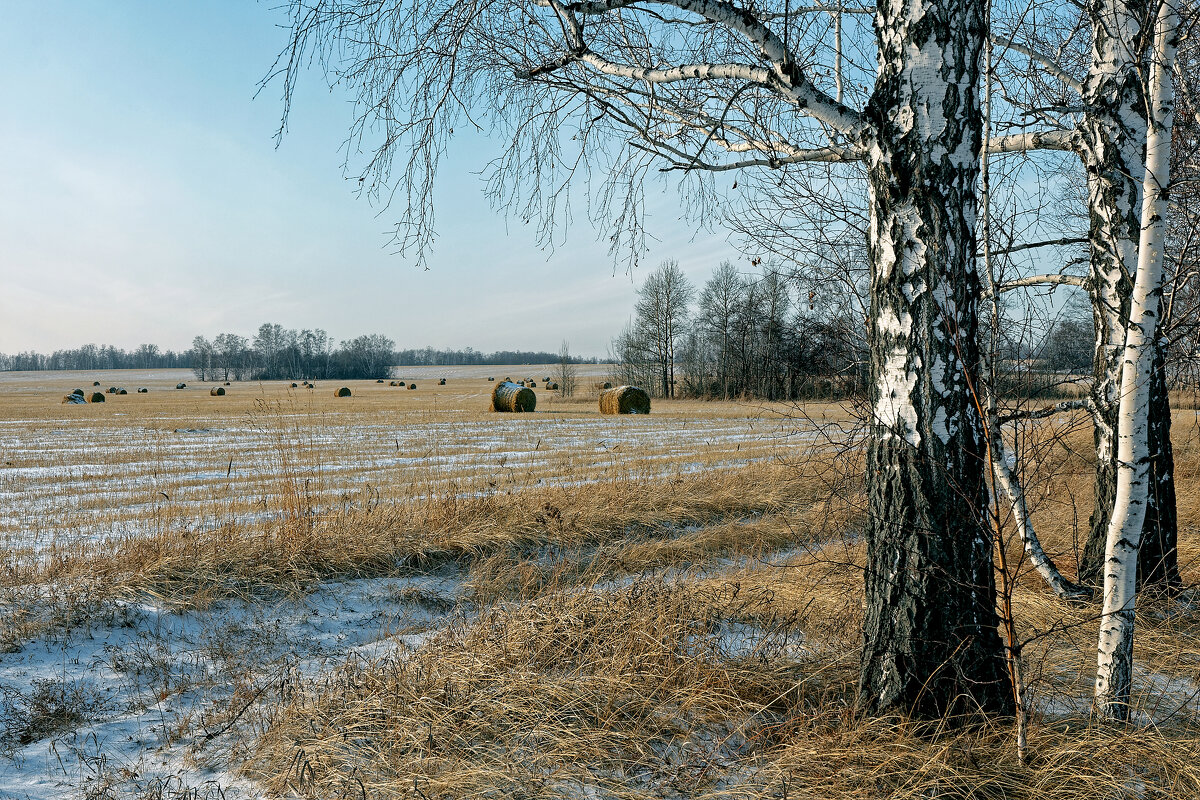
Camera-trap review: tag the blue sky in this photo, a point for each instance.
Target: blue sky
(142, 199)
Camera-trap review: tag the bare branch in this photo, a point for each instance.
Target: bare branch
(1041, 58)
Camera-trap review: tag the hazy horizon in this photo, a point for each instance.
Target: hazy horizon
(146, 202)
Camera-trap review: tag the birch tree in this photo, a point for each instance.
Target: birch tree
(1075, 75)
(617, 90)
(1114, 676)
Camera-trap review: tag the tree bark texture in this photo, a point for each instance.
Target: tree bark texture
(1114, 652)
(931, 644)
(1158, 559)
(1114, 139)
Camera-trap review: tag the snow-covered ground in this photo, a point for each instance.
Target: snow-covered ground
(83, 479)
(145, 698)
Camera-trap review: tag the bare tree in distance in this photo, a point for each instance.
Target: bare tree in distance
(567, 372)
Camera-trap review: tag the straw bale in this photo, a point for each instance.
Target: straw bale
(380, 380)
(509, 396)
(95, 383)
(552, 386)
(217, 391)
(442, 382)
(294, 386)
(624, 400)
(98, 397)
(342, 392)
(184, 385)
(412, 386)
(79, 392)
(73, 399)
(606, 385)
(111, 390)
(122, 391)
(143, 390)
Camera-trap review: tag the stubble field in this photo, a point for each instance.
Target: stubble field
(401, 594)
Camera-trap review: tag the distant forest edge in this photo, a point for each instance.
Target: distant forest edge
(275, 353)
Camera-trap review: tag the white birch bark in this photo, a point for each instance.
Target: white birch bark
(1114, 673)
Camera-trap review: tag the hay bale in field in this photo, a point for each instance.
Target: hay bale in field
(442, 382)
(73, 399)
(491, 379)
(379, 380)
(216, 391)
(412, 386)
(111, 390)
(122, 391)
(606, 385)
(79, 392)
(509, 396)
(226, 383)
(95, 383)
(342, 392)
(294, 386)
(98, 397)
(552, 387)
(533, 384)
(546, 379)
(624, 400)
(184, 385)
(143, 390)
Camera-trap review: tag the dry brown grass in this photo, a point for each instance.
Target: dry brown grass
(627, 632)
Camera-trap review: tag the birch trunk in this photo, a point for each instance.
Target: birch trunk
(931, 644)
(1114, 137)
(1158, 559)
(1114, 673)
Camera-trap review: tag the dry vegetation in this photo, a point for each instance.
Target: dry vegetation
(637, 606)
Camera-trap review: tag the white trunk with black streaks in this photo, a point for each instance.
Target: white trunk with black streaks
(1114, 674)
(930, 629)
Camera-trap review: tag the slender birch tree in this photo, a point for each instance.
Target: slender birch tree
(619, 89)
(1114, 676)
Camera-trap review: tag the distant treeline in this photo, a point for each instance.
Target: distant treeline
(760, 334)
(436, 358)
(275, 353)
(103, 356)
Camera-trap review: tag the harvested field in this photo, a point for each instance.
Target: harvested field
(405, 595)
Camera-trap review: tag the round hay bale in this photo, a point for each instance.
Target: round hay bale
(78, 392)
(442, 382)
(552, 387)
(491, 379)
(98, 397)
(143, 390)
(401, 384)
(606, 385)
(122, 391)
(624, 400)
(216, 391)
(342, 392)
(111, 390)
(226, 383)
(184, 385)
(546, 379)
(73, 399)
(380, 380)
(533, 384)
(509, 396)
(95, 383)
(294, 386)
(412, 386)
